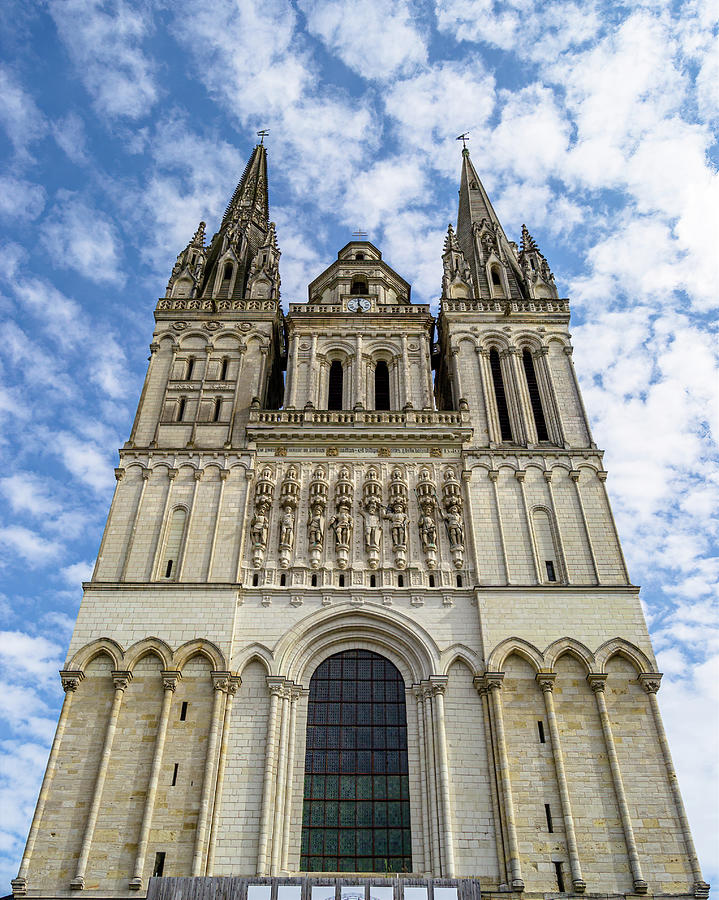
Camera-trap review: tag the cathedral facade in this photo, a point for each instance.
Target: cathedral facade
(360, 606)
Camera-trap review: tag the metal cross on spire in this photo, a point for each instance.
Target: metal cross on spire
(464, 138)
(359, 233)
(263, 134)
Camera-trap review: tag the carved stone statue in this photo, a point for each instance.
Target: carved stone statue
(316, 526)
(428, 527)
(259, 526)
(287, 528)
(398, 522)
(341, 523)
(372, 524)
(455, 527)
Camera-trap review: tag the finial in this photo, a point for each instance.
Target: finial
(198, 239)
(528, 242)
(464, 138)
(262, 134)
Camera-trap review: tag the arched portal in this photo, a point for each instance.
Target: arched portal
(356, 812)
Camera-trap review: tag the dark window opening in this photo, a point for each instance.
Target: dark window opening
(227, 273)
(540, 729)
(341, 581)
(181, 409)
(459, 581)
(189, 369)
(159, 866)
(359, 255)
(255, 580)
(373, 581)
(400, 581)
(501, 398)
(174, 775)
(496, 280)
(356, 810)
(183, 711)
(283, 580)
(551, 574)
(431, 580)
(560, 877)
(548, 814)
(217, 410)
(334, 396)
(314, 581)
(168, 568)
(534, 398)
(381, 385)
(359, 286)
(223, 369)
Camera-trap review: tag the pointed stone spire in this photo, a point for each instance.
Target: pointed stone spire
(538, 278)
(457, 278)
(198, 239)
(189, 267)
(491, 257)
(245, 228)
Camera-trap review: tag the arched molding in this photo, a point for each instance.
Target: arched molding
(586, 464)
(226, 333)
(159, 464)
(530, 464)
(169, 336)
(135, 464)
(459, 653)
(568, 646)
(621, 647)
(85, 655)
(326, 632)
(382, 350)
(258, 338)
(494, 340)
(212, 465)
(145, 647)
(254, 653)
(199, 647)
(339, 350)
(183, 339)
(559, 338)
(529, 340)
(462, 337)
(528, 652)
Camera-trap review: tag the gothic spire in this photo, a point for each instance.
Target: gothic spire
(491, 257)
(250, 198)
(538, 277)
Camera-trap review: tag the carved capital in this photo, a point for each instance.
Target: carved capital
(650, 681)
(119, 473)
(575, 474)
(520, 475)
(170, 679)
(548, 476)
(597, 681)
(220, 680)
(121, 679)
(438, 684)
(172, 474)
(154, 347)
(146, 474)
(480, 685)
(70, 679)
(493, 475)
(568, 350)
(223, 474)
(602, 475)
(275, 685)
(233, 684)
(494, 680)
(198, 473)
(546, 680)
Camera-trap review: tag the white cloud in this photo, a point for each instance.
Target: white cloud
(106, 46)
(375, 39)
(76, 573)
(69, 132)
(28, 492)
(20, 200)
(85, 461)
(80, 237)
(33, 549)
(19, 114)
(32, 655)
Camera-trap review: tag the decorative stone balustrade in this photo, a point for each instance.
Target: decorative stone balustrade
(324, 417)
(506, 307)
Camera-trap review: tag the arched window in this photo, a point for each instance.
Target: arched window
(400, 581)
(314, 581)
(545, 541)
(373, 581)
(534, 398)
(356, 813)
(359, 286)
(283, 580)
(334, 394)
(227, 273)
(497, 286)
(500, 396)
(173, 543)
(381, 385)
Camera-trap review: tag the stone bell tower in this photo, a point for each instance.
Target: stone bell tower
(360, 623)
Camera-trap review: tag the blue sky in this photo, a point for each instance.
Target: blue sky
(125, 123)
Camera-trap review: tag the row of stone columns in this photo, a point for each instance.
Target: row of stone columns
(509, 858)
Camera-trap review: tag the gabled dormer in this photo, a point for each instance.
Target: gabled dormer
(359, 272)
(187, 272)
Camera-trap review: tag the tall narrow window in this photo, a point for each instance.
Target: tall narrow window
(334, 395)
(223, 369)
(173, 542)
(497, 286)
(217, 409)
(500, 396)
(159, 866)
(181, 409)
(190, 368)
(534, 398)
(381, 385)
(356, 812)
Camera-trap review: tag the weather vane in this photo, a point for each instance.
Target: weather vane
(263, 134)
(464, 138)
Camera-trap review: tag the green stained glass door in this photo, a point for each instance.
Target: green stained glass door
(356, 792)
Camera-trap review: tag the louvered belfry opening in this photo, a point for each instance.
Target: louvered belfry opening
(334, 396)
(356, 812)
(381, 385)
(534, 398)
(500, 396)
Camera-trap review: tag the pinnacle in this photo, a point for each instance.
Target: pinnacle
(450, 242)
(528, 242)
(198, 239)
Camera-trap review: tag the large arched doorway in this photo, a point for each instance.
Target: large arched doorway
(356, 794)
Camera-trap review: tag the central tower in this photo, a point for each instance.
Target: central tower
(360, 607)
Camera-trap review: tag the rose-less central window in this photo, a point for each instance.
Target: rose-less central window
(356, 795)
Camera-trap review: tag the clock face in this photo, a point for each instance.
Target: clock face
(364, 304)
(352, 305)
